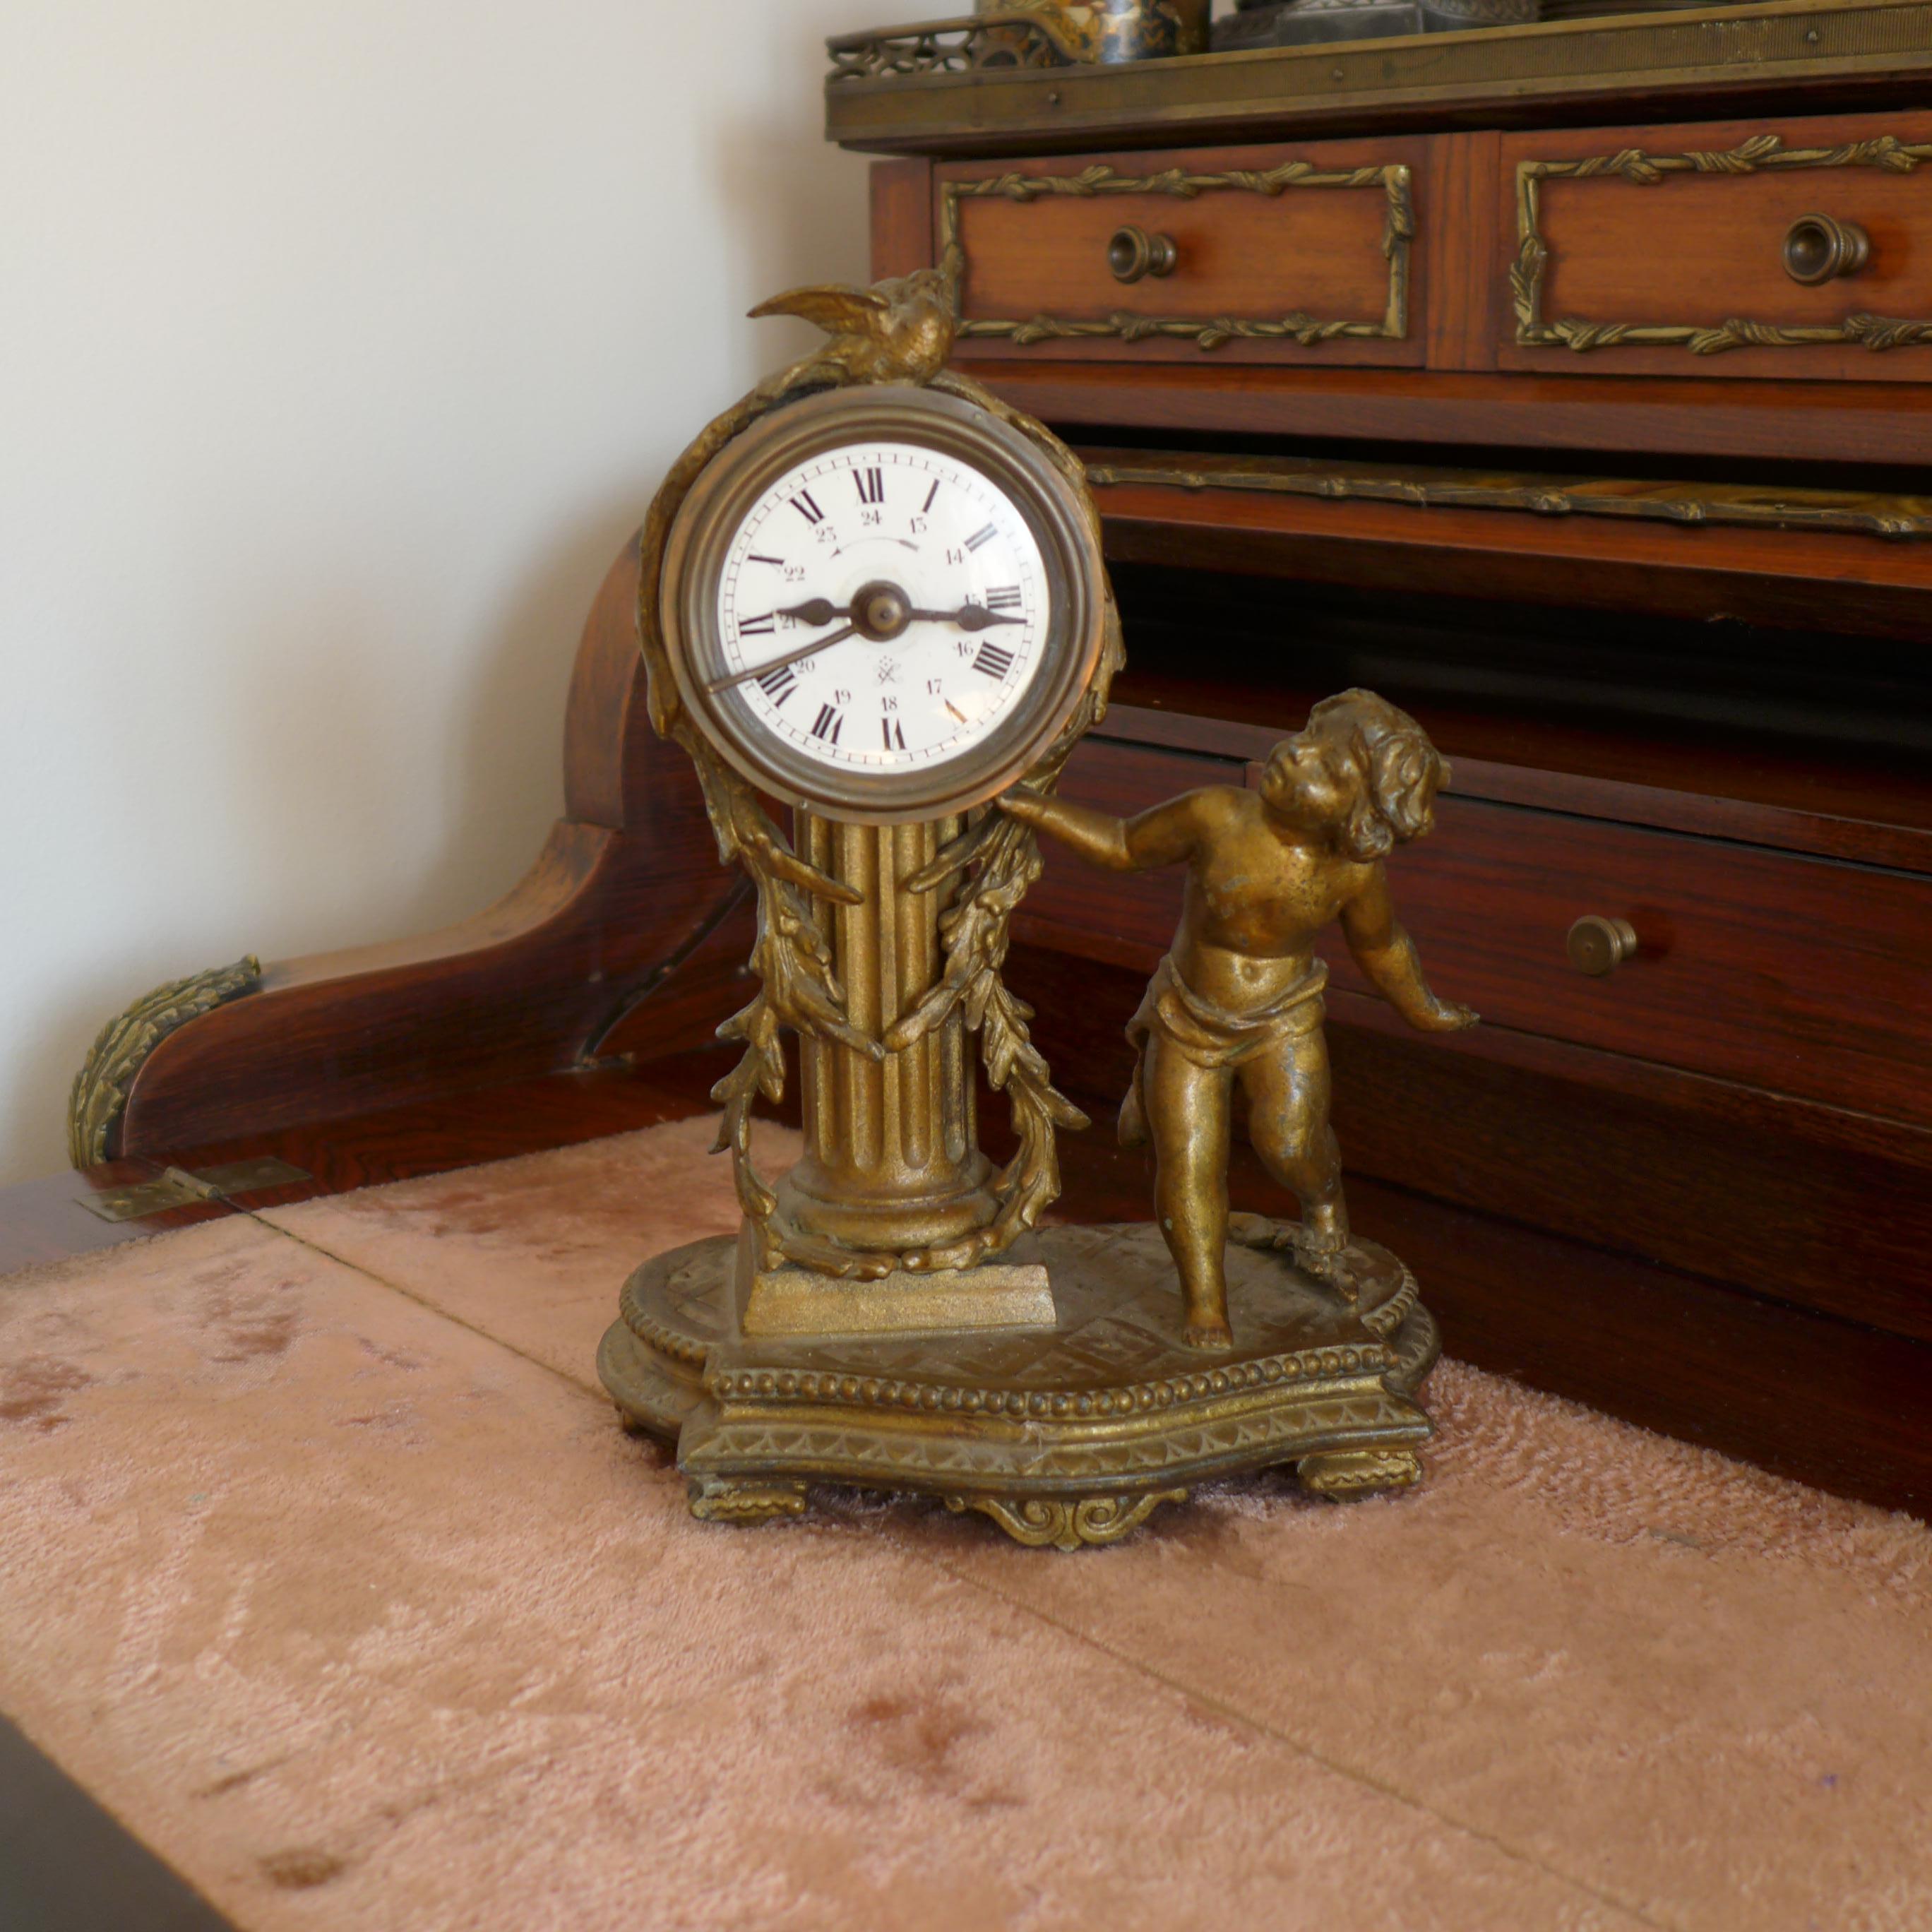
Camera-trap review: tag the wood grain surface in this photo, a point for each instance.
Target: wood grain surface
(1787, 578)
(1835, 806)
(901, 224)
(1582, 405)
(1318, 251)
(1700, 247)
(627, 885)
(1456, 208)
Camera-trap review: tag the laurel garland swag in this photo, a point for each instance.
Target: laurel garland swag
(992, 864)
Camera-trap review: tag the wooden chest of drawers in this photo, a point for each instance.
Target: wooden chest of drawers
(1725, 322)
(1799, 248)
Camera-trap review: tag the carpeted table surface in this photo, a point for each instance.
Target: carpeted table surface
(324, 1564)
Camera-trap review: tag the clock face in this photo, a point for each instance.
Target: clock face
(884, 603)
(889, 604)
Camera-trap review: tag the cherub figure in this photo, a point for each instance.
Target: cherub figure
(1240, 990)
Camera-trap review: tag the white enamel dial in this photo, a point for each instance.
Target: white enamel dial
(883, 607)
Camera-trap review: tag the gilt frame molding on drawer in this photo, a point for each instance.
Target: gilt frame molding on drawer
(1761, 153)
(1206, 332)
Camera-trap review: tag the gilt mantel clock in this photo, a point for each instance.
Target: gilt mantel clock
(875, 593)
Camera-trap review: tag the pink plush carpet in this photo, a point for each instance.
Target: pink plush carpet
(324, 1564)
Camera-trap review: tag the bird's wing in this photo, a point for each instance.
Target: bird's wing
(838, 310)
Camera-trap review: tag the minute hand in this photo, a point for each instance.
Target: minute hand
(968, 617)
(718, 684)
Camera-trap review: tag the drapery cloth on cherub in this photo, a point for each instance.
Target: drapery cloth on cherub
(1212, 1037)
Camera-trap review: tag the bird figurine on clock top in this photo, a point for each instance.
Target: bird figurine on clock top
(874, 591)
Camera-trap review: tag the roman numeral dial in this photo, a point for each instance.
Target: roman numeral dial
(882, 607)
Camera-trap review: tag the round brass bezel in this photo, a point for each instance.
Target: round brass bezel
(701, 538)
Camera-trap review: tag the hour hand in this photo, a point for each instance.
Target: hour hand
(968, 617)
(820, 610)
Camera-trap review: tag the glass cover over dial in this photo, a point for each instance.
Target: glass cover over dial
(882, 605)
(883, 602)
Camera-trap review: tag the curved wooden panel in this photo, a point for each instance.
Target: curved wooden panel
(604, 936)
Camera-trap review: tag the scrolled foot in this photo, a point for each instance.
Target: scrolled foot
(1358, 1472)
(1071, 1522)
(744, 1499)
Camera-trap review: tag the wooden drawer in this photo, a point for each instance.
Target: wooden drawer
(1662, 250)
(1800, 975)
(1300, 254)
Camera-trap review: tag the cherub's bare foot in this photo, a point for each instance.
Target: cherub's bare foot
(1210, 1335)
(1325, 1231)
(1321, 1250)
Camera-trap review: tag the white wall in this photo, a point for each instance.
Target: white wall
(342, 343)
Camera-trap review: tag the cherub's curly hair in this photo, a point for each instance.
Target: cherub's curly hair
(1402, 770)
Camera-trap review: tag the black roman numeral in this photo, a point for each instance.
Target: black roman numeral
(807, 508)
(755, 558)
(758, 627)
(985, 534)
(993, 662)
(929, 495)
(893, 733)
(872, 485)
(826, 724)
(778, 684)
(1007, 597)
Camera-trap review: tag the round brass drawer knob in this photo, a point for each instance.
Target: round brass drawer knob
(1819, 247)
(1133, 253)
(1598, 945)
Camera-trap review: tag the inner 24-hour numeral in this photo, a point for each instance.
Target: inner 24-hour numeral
(993, 660)
(872, 485)
(826, 724)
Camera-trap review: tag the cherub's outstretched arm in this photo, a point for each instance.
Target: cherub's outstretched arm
(1387, 954)
(1160, 836)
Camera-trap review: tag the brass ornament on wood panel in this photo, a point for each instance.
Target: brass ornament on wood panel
(892, 1315)
(100, 1088)
(1746, 505)
(1760, 154)
(1205, 332)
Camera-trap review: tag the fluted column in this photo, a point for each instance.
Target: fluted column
(892, 1160)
